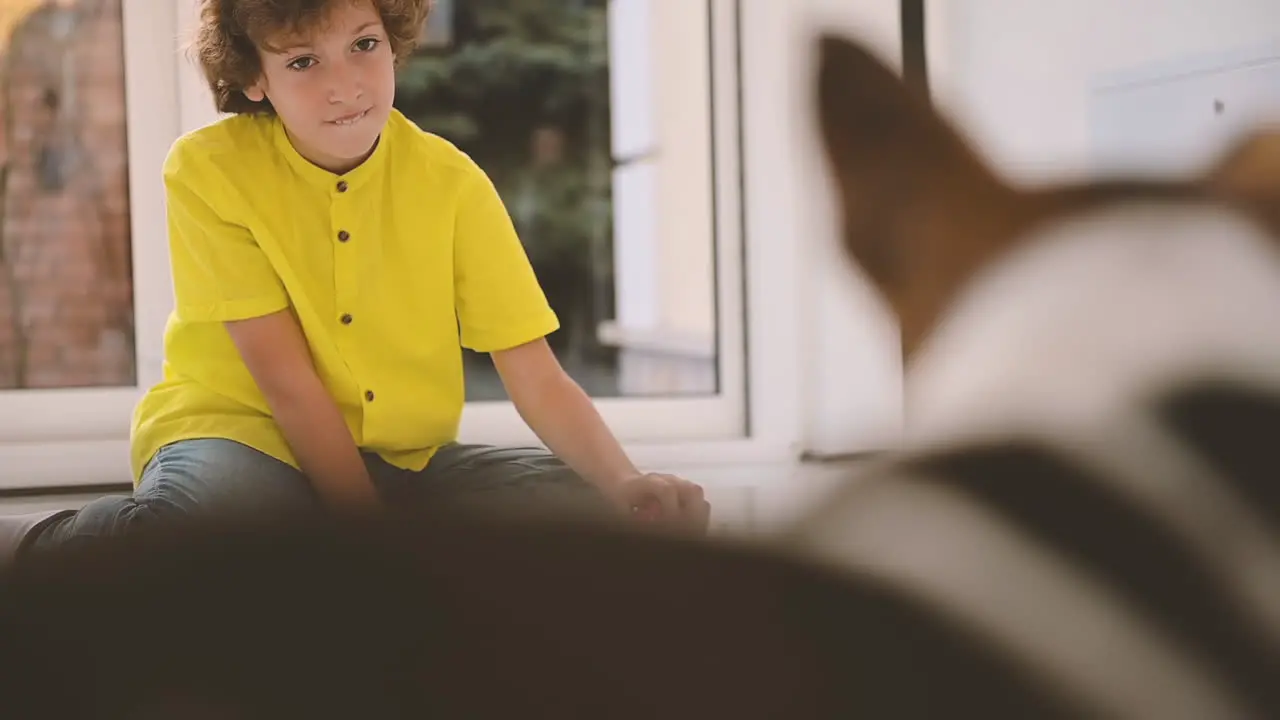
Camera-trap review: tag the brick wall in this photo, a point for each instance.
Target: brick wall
(66, 314)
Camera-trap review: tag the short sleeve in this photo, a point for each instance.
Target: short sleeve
(499, 302)
(219, 271)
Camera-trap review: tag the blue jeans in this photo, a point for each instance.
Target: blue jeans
(214, 477)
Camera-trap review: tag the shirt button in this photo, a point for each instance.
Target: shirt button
(342, 186)
(368, 395)
(343, 236)
(346, 319)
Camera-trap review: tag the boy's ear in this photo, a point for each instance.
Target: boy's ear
(895, 161)
(255, 93)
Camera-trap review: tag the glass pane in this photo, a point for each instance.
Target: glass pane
(525, 87)
(66, 298)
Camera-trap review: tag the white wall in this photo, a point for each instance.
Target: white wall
(1020, 75)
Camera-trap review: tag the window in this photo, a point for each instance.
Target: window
(66, 318)
(596, 119)
(86, 120)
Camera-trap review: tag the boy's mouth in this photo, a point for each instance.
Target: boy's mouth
(351, 119)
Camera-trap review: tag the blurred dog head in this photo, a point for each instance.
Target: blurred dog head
(922, 211)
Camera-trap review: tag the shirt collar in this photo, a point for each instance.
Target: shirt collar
(318, 176)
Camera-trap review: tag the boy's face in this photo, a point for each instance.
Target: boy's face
(332, 86)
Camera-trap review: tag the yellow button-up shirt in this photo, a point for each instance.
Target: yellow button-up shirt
(391, 269)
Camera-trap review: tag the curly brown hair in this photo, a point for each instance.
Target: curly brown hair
(230, 32)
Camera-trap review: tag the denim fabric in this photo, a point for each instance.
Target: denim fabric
(214, 477)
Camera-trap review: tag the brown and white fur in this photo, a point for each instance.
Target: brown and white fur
(1090, 480)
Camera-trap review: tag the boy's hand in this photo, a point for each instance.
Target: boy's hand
(665, 499)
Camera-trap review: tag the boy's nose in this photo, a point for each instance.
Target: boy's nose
(345, 86)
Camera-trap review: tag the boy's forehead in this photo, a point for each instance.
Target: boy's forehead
(311, 22)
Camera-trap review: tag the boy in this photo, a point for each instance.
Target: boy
(329, 258)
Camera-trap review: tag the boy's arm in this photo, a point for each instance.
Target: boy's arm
(562, 415)
(502, 311)
(276, 354)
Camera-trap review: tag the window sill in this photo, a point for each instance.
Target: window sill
(661, 361)
(694, 346)
(62, 464)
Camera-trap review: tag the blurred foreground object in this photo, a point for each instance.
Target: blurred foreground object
(1089, 482)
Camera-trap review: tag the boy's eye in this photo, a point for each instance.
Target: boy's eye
(367, 44)
(301, 63)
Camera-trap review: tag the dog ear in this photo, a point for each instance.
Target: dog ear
(1250, 172)
(913, 195)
